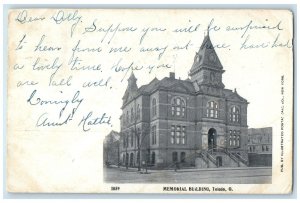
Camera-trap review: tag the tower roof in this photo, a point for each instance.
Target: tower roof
(132, 77)
(206, 57)
(131, 89)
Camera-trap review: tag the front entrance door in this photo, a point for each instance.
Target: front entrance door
(212, 138)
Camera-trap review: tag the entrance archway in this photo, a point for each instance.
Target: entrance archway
(212, 138)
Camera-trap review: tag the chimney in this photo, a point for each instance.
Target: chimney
(172, 75)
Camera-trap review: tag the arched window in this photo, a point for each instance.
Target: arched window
(138, 112)
(178, 107)
(234, 114)
(212, 109)
(153, 107)
(127, 117)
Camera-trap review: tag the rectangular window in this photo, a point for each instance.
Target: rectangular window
(234, 140)
(131, 139)
(183, 135)
(177, 111)
(183, 111)
(178, 134)
(172, 134)
(154, 110)
(138, 114)
(153, 134)
(211, 113)
(173, 110)
(132, 115)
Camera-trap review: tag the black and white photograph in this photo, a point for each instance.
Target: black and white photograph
(190, 130)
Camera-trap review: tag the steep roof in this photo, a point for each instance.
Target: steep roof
(114, 135)
(233, 95)
(168, 84)
(206, 57)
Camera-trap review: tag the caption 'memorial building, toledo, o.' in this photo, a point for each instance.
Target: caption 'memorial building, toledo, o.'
(195, 122)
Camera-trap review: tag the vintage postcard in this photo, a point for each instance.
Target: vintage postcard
(182, 101)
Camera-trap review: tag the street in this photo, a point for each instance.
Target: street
(254, 175)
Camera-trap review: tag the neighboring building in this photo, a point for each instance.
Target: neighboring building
(111, 148)
(193, 122)
(260, 146)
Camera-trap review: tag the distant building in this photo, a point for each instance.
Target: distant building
(111, 148)
(192, 122)
(260, 146)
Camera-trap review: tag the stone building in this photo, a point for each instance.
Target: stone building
(111, 148)
(260, 146)
(192, 122)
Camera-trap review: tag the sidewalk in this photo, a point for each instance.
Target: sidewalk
(131, 169)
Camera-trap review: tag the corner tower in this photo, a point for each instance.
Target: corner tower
(131, 89)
